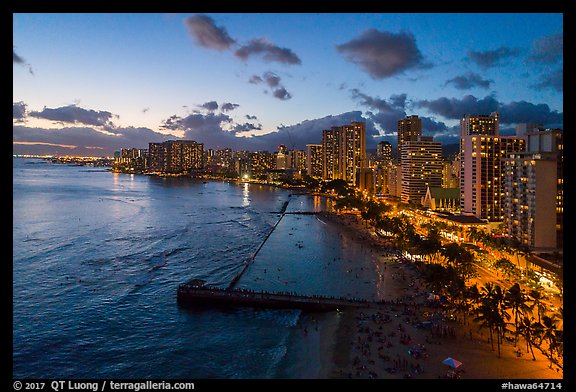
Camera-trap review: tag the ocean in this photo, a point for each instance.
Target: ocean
(98, 256)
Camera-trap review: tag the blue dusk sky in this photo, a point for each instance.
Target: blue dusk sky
(89, 84)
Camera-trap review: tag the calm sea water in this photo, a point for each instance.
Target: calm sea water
(97, 258)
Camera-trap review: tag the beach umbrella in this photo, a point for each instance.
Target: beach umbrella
(452, 362)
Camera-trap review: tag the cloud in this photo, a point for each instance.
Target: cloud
(227, 106)
(211, 106)
(145, 110)
(273, 81)
(238, 128)
(468, 81)
(84, 140)
(547, 50)
(282, 94)
(492, 58)
(268, 51)
(510, 113)
(17, 59)
(522, 111)
(250, 117)
(19, 111)
(75, 115)
(206, 34)
(454, 108)
(383, 54)
(554, 81)
(196, 121)
(255, 79)
(396, 101)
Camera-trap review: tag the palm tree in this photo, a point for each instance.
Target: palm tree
(550, 334)
(529, 330)
(517, 301)
(473, 295)
(538, 303)
(492, 314)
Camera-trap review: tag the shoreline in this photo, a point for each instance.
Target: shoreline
(391, 343)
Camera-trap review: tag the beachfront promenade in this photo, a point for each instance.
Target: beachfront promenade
(198, 295)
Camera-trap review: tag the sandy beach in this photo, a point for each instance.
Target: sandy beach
(392, 342)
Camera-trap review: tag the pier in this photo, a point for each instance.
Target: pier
(194, 293)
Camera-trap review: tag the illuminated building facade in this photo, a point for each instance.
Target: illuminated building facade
(314, 160)
(482, 173)
(421, 167)
(175, 156)
(480, 125)
(344, 151)
(534, 194)
(131, 160)
(384, 153)
(298, 160)
(409, 129)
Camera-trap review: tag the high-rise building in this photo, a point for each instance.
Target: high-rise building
(384, 152)
(261, 162)
(449, 176)
(534, 191)
(175, 156)
(480, 125)
(132, 160)
(298, 160)
(314, 160)
(482, 173)
(409, 129)
(421, 165)
(283, 158)
(344, 151)
(224, 157)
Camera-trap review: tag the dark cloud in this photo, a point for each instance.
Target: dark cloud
(492, 58)
(387, 121)
(212, 105)
(75, 115)
(255, 79)
(273, 81)
(227, 106)
(510, 113)
(548, 50)
(454, 108)
(249, 117)
(205, 32)
(87, 141)
(526, 112)
(468, 81)
(238, 128)
(196, 122)
(145, 110)
(19, 111)
(383, 54)
(17, 59)
(282, 94)
(554, 81)
(396, 101)
(268, 51)
(214, 130)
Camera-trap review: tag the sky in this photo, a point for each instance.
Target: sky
(93, 83)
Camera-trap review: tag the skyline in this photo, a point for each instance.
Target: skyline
(280, 77)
